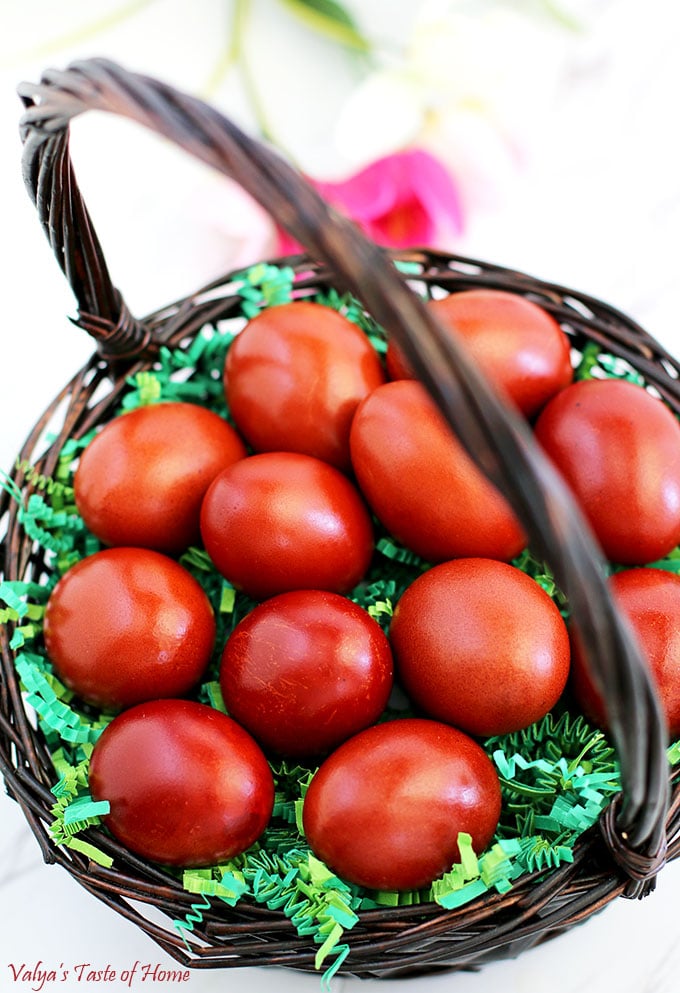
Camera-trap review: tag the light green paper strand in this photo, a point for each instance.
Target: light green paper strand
(91, 851)
(75, 810)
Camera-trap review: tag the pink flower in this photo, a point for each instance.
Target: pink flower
(403, 200)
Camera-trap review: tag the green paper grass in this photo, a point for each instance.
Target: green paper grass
(556, 776)
(596, 364)
(74, 811)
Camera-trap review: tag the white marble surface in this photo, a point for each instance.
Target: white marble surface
(597, 206)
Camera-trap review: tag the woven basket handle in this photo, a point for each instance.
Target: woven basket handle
(499, 440)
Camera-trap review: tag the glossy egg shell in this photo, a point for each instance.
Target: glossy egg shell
(186, 785)
(282, 521)
(126, 625)
(304, 671)
(478, 644)
(141, 480)
(518, 345)
(385, 809)
(294, 376)
(618, 448)
(420, 482)
(650, 600)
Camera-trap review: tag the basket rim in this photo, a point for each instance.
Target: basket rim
(32, 792)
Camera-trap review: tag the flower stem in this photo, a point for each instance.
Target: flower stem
(234, 56)
(238, 54)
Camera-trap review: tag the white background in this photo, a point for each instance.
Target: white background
(596, 205)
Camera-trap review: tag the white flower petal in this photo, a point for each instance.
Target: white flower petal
(487, 56)
(384, 113)
(482, 163)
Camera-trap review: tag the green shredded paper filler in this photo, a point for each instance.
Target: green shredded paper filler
(556, 775)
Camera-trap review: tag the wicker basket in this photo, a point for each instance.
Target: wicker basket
(639, 830)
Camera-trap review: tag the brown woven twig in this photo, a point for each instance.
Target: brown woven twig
(639, 831)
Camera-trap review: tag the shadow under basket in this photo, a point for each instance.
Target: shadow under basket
(638, 830)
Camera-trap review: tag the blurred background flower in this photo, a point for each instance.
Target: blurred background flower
(408, 117)
(404, 199)
(425, 115)
(544, 115)
(456, 86)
